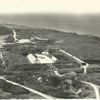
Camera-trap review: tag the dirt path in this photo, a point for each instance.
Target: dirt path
(14, 32)
(14, 35)
(73, 57)
(96, 89)
(77, 60)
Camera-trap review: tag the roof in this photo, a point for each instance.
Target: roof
(24, 41)
(40, 58)
(31, 58)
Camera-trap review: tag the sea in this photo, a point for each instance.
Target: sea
(81, 24)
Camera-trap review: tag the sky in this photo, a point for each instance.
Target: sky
(49, 6)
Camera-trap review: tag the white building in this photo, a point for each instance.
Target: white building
(41, 58)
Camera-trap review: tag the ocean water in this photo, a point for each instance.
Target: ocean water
(82, 24)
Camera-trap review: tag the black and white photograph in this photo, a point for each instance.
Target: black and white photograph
(50, 49)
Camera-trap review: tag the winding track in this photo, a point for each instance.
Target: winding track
(14, 35)
(77, 60)
(96, 89)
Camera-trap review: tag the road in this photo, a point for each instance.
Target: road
(31, 90)
(14, 35)
(83, 64)
(96, 89)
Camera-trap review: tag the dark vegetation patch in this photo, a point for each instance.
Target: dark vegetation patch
(30, 68)
(9, 91)
(53, 85)
(97, 38)
(24, 49)
(5, 31)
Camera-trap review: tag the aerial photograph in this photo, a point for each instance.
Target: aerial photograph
(50, 49)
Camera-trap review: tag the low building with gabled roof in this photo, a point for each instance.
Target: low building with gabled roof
(41, 58)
